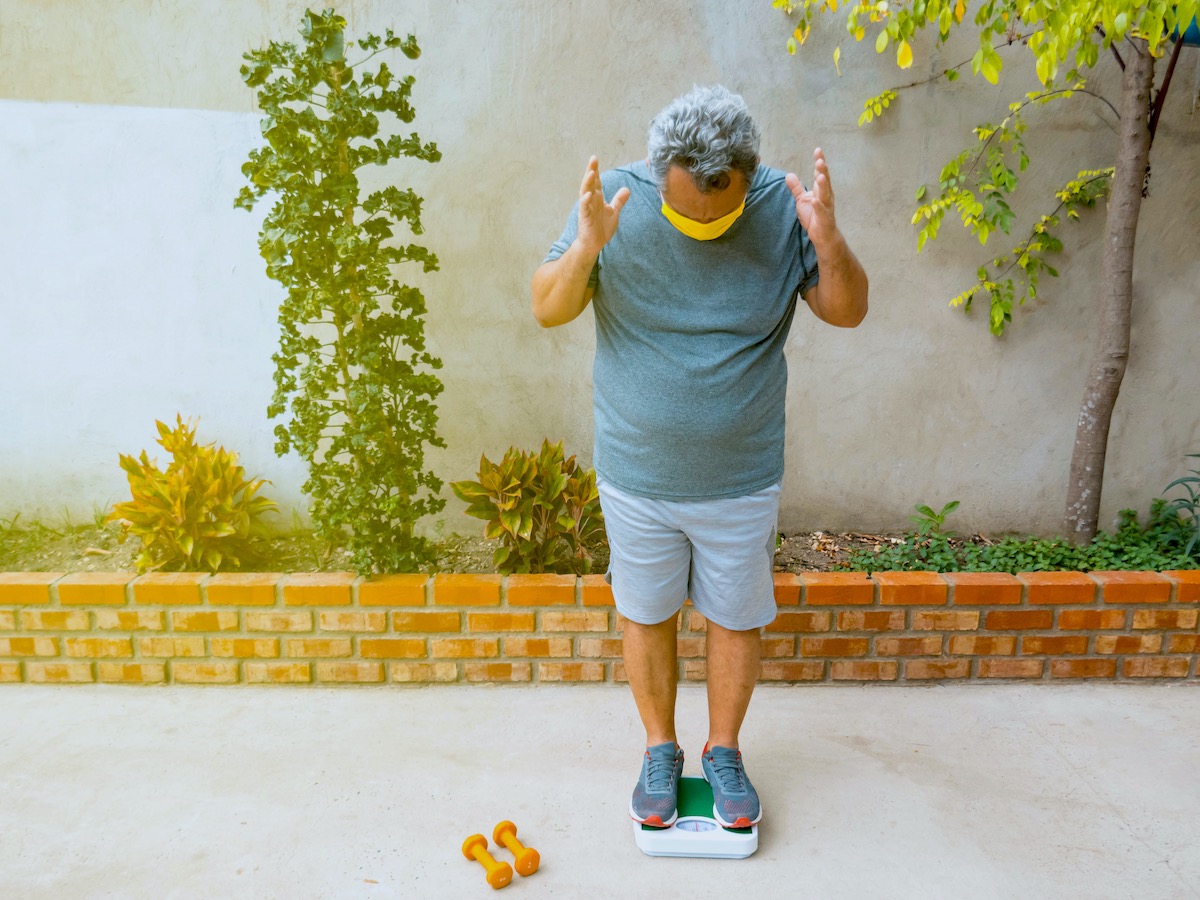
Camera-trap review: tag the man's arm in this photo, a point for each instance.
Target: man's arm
(840, 297)
(560, 286)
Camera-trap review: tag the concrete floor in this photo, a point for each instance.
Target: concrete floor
(979, 791)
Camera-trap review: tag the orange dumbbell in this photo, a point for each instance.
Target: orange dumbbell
(527, 858)
(498, 873)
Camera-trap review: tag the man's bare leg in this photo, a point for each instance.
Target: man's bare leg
(651, 664)
(734, 662)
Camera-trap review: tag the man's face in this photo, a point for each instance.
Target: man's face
(682, 195)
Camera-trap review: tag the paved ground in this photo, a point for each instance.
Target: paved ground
(980, 791)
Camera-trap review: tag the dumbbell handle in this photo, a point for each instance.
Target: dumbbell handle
(528, 859)
(498, 873)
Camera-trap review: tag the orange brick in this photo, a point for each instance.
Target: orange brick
(910, 646)
(541, 590)
(465, 648)
(1058, 587)
(787, 589)
(619, 675)
(58, 673)
(801, 622)
(543, 647)
(358, 672)
(97, 648)
(1187, 585)
(573, 671)
(170, 646)
(1184, 643)
(204, 672)
(1129, 643)
(353, 621)
(10, 672)
(911, 589)
(1011, 668)
(775, 647)
(956, 620)
(279, 621)
(242, 589)
(695, 670)
(318, 589)
(1133, 587)
(28, 646)
(591, 648)
(499, 671)
(779, 670)
(21, 588)
(278, 673)
(696, 621)
(406, 672)
(580, 620)
(690, 648)
(224, 620)
(597, 591)
(984, 588)
(130, 619)
(838, 589)
(1057, 645)
(487, 621)
(1018, 619)
(393, 590)
(1164, 619)
(872, 620)
(833, 646)
(1156, 667)
(1083, 668)
(427, 622)
(94, 588)
(1091, 619)
(132, 673)
(8, 620)
(245, 647)
(168, 587)
(450, 589)
(928, 669)
(399, 648)
(317, 647)
(864, 670)
(980, 645)
(55, 620)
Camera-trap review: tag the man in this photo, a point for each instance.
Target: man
(693, 269)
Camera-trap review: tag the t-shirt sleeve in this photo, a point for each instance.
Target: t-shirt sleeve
(808, 265)
(559, 247)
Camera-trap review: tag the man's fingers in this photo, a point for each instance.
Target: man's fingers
(618, 200)
(591, 170)
(792, 180)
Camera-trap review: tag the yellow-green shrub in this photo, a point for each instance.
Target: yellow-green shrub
(201, 513)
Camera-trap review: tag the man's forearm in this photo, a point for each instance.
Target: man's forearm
(560, 287)
(841, 293)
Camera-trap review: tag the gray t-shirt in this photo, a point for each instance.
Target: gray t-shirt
(689, 376)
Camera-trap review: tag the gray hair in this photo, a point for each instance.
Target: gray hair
(707, 132)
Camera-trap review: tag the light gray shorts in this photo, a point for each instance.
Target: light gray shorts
(718, 552)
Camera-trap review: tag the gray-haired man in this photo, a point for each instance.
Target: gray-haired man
(693, 297)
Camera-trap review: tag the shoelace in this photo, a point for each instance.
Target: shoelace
(659, 772)
(729, 773)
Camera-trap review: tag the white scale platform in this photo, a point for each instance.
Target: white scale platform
(696, 832)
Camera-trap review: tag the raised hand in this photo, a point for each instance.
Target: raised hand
(597, 219)
(814, 207)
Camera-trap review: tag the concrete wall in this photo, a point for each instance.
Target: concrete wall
(132, 288)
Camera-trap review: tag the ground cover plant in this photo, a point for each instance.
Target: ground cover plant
(352, 373)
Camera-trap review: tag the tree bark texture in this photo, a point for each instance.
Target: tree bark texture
(1116, 300)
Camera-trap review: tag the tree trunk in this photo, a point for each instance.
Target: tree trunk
(1116, 300)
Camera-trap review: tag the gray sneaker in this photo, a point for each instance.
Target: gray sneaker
(735, 802)
(656, 794)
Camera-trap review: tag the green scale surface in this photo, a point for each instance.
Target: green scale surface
(696, 800)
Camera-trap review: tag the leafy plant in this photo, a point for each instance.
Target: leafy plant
(1189, 504)
(930, 522)
(201, 513)
(352, 368)
(544, 509)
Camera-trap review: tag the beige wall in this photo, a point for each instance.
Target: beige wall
(919, 404)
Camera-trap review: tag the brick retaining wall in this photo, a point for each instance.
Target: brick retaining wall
(263, 628)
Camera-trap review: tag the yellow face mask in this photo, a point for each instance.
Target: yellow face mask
(701, 231)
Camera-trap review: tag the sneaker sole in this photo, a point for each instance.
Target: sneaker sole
(742, 822)
(658, 823)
